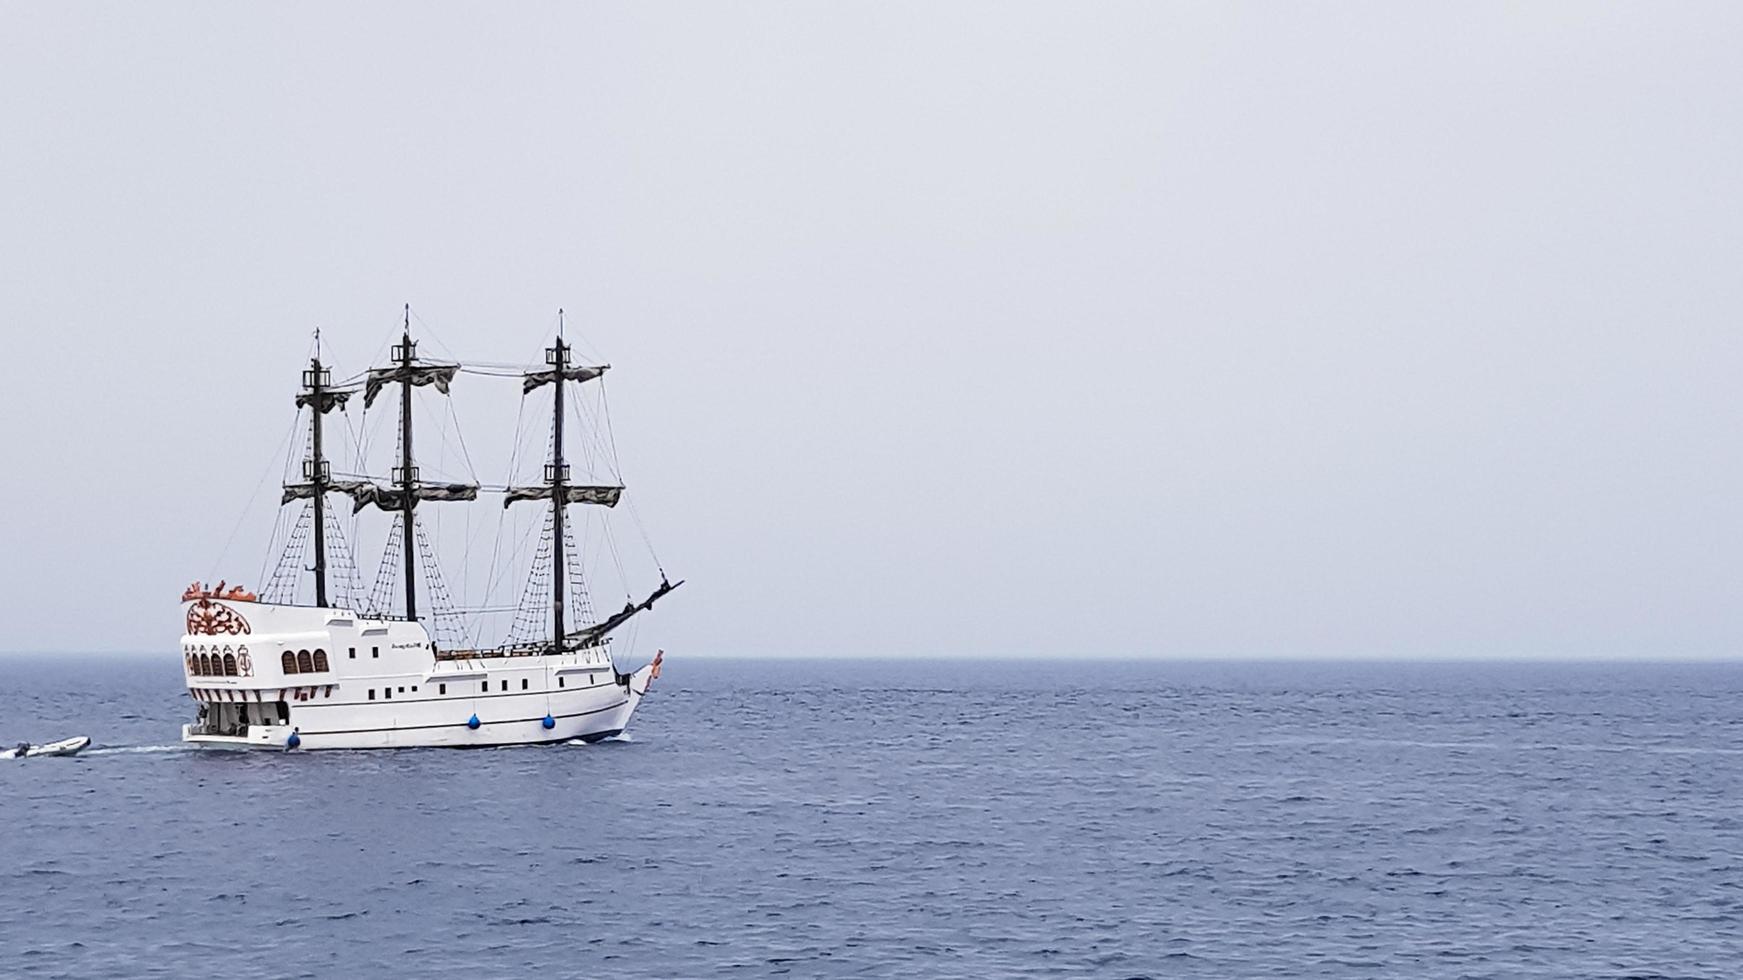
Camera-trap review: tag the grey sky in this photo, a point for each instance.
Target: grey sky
(1148, 329)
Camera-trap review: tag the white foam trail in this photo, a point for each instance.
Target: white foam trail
(129, 749)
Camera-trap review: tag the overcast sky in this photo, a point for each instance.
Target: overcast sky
(1155, 329)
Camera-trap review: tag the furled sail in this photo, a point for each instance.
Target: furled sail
(536, 378)
(329, 399)
(604, 496)
(440, 375)
(593, 634)
(304, 491)
(393, 498)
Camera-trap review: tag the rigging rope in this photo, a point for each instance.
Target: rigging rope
(529, 621)
(346, 563)
(282, 587)
(445, 619)
(386, 576)
(579, 599)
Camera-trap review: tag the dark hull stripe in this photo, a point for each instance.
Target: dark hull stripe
(460, 724)
(332, 703)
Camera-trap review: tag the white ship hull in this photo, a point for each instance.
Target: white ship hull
(353, 683)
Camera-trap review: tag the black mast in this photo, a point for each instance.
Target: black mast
(556, 474)
(407, 473)
(315, 470)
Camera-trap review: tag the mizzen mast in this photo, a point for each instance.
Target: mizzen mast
(316, 380)
(320, 397)
(557, 474)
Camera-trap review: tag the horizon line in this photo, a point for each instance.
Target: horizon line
(1256, 658)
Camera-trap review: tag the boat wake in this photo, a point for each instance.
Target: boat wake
(135, 749)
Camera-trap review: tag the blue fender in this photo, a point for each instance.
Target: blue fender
(549, 722)
(294, 740)
(472, 722)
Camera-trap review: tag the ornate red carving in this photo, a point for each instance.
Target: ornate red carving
(208, 618)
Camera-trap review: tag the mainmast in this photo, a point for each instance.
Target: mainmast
(405, 474)
(406, 491)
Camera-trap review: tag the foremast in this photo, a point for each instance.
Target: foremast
(557, 489)
(559, 372)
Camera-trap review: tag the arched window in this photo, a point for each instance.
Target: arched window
(229, 665)
(304, 664)
(205, 666)
(289, 662)
(320, 661)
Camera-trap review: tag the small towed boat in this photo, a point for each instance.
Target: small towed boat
(70, 746)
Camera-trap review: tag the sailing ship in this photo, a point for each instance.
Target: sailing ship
(342, 672)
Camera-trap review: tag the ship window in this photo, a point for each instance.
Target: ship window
(229, 665)
(387, 692)
(305, 663)
(523, 683)
(486, 687)
(372, 694)
(321, 661)
(375, 651)
(283, 713)
(206, 665)
(441, 689)
(289, 661)
(402, 690)
(353, 653)
(505, 685)
(414, 689)
(560, 682)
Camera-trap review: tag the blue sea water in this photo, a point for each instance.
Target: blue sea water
(901, 819)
